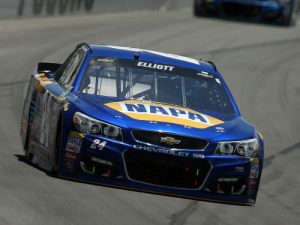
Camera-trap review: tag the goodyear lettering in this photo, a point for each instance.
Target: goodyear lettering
(155, 66)
(161, 110)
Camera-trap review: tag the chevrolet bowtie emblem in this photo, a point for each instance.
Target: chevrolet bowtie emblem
(169, 141)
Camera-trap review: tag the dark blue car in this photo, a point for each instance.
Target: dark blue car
(141, 120)
(283, 11)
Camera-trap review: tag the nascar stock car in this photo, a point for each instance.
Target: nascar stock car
(141, 120)
(283, 11)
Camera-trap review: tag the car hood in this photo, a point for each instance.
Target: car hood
(133, 114)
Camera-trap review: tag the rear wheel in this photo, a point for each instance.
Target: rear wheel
(28, 155)
(55, 169)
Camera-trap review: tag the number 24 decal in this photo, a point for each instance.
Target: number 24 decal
(97, 144)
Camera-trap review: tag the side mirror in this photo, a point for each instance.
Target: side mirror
(44, 67)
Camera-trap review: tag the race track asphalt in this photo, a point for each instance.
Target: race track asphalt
(260, 63)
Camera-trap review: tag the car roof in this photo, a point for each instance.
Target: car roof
(151, 56)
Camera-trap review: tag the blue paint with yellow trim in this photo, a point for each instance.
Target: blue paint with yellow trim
(141, 145)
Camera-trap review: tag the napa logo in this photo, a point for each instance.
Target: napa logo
(147, 111)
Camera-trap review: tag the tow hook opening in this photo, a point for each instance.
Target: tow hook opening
(228, 186)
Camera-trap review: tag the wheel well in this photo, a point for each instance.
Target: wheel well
(29, 121)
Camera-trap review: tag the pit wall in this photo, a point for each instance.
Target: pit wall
(41, 8)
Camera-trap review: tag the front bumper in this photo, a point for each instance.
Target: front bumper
(196, 176)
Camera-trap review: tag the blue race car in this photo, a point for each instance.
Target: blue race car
(284, 11)
(141, 120)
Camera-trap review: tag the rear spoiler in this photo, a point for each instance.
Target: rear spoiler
(47, 67)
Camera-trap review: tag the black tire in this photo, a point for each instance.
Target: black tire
(199, 8)
(56, 158)
(28, 156)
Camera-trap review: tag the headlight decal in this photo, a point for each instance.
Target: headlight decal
(244, 148)
(89, 125)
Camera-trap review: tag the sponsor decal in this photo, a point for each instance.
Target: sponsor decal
(155, 66)
(42, 81)
(168, 151)
(102, 161)
(72, 148)
(220, 129)
(197, 155)
(240, 169)
(98, 144)
(254, 173)
(147, 111)
(76, 134)
(70, 155)
(74, 142)
(254, 160)
(105, 60)
(66, 107)
(68, 165)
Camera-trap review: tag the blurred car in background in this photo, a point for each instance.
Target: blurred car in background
(283, 11)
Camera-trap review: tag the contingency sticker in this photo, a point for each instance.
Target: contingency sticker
(42, 82)
(74, 142)
(147, 111)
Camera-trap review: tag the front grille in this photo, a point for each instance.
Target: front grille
(165, 140)
(166, 170)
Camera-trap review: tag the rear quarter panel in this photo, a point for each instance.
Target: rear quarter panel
(26, 108)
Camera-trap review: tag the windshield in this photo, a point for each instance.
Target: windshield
(155, 82)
